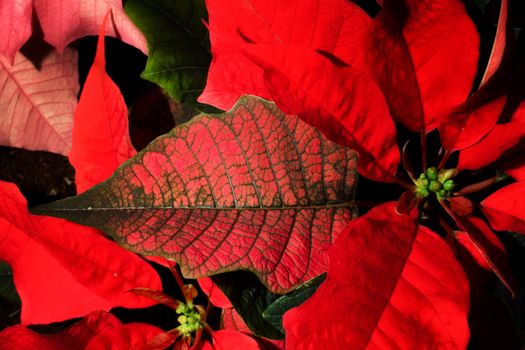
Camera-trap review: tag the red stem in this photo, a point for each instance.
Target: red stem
(444, 160)
(480, 185)
(423, 137)
(405, 185)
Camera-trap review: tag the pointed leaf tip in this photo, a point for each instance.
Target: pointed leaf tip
(101, 139)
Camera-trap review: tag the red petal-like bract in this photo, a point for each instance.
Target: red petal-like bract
(470, 122)
(505, 208)
(216, 296)
(424, 56)
(37, 105)
(491, 147)
(391, 285)
(100, 133)
(63, 270)
(97, 331)
(499, 45)
(64, 21)
(229, 339)
(15, 25)
(337, 30)
(285, 54)
(496, 331)
(489, 246)
(252, 189)
(230, 319)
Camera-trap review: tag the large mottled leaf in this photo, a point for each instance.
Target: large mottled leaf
(63, 270)
(505, 208)
(424, 55)
(337, 31)
(391, 285)
(100, 133)
(98, 330)
(62, 22)
(179, 48)
(249, 189)
(37, 105)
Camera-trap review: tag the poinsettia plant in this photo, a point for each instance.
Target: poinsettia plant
(254, 195)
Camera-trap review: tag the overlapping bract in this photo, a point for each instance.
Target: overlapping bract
(424, 57)
(62, 22)
(262, 52)
(63, 270)
(98, 330)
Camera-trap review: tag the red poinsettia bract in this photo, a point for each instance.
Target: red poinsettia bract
(392, 283)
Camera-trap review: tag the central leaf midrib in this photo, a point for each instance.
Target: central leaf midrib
(303, 207)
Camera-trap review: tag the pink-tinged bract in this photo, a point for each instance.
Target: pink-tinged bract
(15, 24)
(37, 105)
(64, 21)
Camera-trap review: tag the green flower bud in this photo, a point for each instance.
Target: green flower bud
(422, 192)
(432, 173)
(435, 186)
(448, 185)
(442, 194)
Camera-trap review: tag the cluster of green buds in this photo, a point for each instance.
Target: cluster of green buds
(434, 181)
(190, 319)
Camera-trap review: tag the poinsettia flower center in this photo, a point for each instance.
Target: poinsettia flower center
(437, 182)
(189, 319)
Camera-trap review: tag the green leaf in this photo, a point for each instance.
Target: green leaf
(251, 189)
(250, 298)
(178, 43)
(275, 311)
